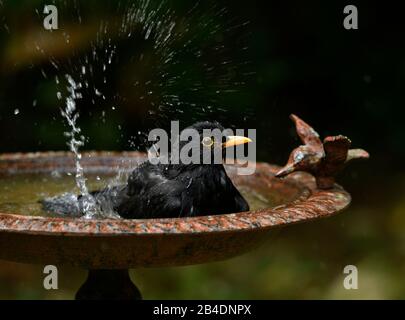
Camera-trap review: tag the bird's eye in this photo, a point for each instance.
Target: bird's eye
(207, 142)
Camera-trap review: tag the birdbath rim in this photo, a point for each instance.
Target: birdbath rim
(311, 203)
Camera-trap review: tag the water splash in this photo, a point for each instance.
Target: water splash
(189, 62)
(76, 140)
(179, 67)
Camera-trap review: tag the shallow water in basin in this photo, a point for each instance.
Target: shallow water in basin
(20, 193)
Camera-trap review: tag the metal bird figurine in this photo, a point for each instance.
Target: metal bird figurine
(169, 190)
(322, 159)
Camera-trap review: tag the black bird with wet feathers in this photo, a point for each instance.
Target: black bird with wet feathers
(170, 190)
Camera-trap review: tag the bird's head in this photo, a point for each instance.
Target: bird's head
(302, 158)
(212, 140)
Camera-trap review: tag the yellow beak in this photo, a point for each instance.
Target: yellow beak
(235, 141)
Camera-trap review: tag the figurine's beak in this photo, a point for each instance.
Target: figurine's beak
(235, 141)
(289, 168)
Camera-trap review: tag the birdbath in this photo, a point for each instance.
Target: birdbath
(109, 247)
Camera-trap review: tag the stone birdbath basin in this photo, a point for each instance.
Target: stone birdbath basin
(109, 247)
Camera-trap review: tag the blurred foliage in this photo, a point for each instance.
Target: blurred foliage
(248, 66)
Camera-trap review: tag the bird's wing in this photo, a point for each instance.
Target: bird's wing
(217, 195)
(306, 133)
(237, 202)
(144, 177)
(336, 148)
(155, 201)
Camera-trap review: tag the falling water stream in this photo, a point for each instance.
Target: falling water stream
(76, 140)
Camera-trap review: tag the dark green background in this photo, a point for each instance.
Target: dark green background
(292, 57)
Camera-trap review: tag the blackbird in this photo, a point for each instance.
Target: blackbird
(169, 190)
